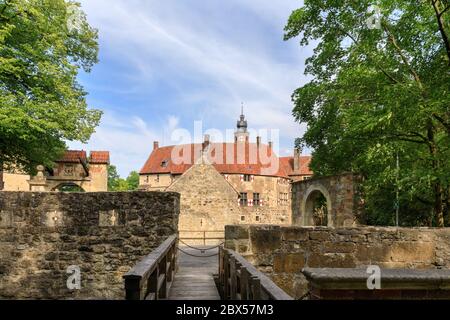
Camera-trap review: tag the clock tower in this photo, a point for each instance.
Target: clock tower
(241, 134)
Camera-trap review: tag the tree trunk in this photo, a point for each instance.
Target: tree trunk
(2, 184)
(438, 208)
(446, 201)
(438, 205)
(441, 25)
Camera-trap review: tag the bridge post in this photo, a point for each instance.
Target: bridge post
(148, 279)
(221, 282)
(162, 278)
(153, 283)
(133, 289)
(169, 274)
(233, 278)
(241, 280)
(256, 288)
(226, 287)
(244, 283)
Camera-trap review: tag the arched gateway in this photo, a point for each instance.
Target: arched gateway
(328, 201)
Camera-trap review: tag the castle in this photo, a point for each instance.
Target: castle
(74, 170)
(226, 183)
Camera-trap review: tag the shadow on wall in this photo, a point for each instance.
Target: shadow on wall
(104, 234)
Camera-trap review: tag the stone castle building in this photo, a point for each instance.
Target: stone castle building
(225, 183)
(73, 170)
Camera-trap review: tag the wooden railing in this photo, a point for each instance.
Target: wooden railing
(150, 278)
(203, 236)
(240, 280)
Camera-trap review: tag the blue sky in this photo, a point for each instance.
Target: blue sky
(165, 64)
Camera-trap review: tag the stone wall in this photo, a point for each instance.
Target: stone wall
(16, 181)
(273, 209)
(208, 203)
(42, 234)
(282, 252)
(342, 195)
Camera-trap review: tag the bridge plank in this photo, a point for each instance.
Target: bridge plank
(194, 279)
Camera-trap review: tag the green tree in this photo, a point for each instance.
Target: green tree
(113, 178)
(133, 180)
(379, 91)
(43, 45)
(116, 183)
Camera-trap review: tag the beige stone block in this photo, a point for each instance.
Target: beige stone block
(237, 232)
(5, 219)
(339, 247)
(412, 251)
(108, 218)
(289, 262)
(367, 254)
(331, 260)
(319, 235)
(295, 234)
(265, 239)
(243, 246)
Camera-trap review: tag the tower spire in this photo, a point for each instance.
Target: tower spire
(241, 133)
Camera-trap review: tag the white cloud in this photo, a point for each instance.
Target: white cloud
(180, 43)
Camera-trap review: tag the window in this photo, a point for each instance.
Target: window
(243, 201)
(157, 178)
(164, 163)
(257, 219)
(256, 199)
(247, 177)
(283, 199)
(242, 218)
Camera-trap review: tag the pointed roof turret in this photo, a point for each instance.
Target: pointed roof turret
(242, 123)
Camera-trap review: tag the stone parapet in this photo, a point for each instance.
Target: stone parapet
(346, 283)
(104, 234)
(282, 252)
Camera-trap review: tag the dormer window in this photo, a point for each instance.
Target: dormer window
(164, 163)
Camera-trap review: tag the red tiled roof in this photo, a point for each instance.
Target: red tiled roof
(99, 157)
(288, 164)
(227, 158)
(73, 156)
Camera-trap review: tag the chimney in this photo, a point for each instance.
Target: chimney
(258, 141)
(297, 154)
(206, 141)
(270, 145)
(155, 145)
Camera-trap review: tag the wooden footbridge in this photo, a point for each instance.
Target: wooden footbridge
(198, 273)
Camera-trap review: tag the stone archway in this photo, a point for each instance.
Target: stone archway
(68, 187)
(312, 194)
(341, 194)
